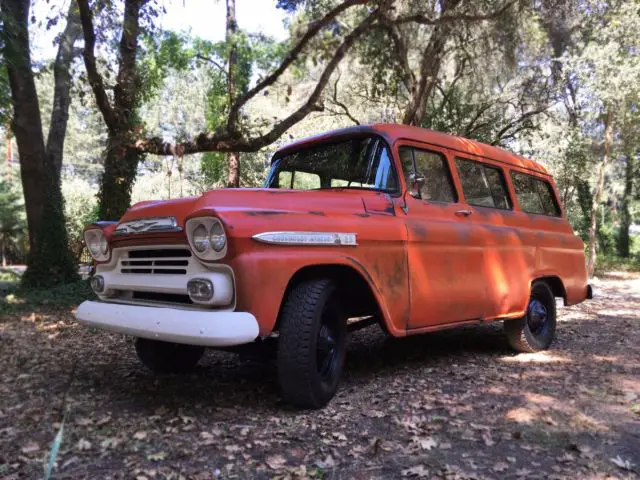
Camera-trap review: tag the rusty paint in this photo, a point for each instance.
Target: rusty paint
(264, 213)
(428, 269)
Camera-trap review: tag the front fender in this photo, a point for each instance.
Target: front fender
(262, 278)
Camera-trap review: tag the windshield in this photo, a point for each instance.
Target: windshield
(354, 163)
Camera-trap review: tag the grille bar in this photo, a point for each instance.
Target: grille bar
(165, 261)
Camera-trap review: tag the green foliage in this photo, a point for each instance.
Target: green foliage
(81, 209)
(8, 275)
(51, 262)
(57, 297)
(12, 222)
(214, 168)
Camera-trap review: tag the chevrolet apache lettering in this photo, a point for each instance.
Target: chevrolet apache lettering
(407, 228)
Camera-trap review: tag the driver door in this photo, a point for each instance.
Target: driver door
(444, 256)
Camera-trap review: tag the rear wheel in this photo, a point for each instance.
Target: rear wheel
(536, 330)
(167, 357)
(312, 344)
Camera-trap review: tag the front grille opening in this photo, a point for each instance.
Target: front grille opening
(136, 270)
(160, 261)
(160, 253)
(162, 297)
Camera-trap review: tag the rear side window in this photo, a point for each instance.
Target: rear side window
(438, 186)
(483, 185)
(535, 195)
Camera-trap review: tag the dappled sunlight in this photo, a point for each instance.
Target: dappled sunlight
(539, 357)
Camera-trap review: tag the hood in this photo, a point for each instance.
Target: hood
(258, 202)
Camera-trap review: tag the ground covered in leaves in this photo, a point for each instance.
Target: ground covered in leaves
(456, 404)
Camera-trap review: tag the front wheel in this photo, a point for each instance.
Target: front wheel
(536, 330)
(312, 344)
(167, 357)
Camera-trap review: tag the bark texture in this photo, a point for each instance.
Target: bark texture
(625, 210)
(233, 158)
(597, 194)
(50, 260)
(121, 158)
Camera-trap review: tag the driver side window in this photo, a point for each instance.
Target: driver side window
(438, 186)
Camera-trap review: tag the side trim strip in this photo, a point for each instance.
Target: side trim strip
(336, 239)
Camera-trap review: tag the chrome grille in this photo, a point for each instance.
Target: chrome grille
(161, 261)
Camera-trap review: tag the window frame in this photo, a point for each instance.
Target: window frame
(381, 142)
(554, 195)
(414, 145)
(484, 165)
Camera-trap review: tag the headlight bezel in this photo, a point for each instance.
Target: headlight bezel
(102, 252)
(209, 254)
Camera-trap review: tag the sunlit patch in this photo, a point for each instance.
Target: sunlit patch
(618, 313)
(602, 358)
(521, 415)
(540, 399)
(539, 357)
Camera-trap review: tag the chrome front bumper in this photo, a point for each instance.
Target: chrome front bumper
(191, 327)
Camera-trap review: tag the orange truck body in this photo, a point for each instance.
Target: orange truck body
(427, 266)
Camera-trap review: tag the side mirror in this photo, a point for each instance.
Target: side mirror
(416, 181)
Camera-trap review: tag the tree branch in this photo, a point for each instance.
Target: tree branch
(62, 81)
(95, 79)
(314, 28)
(401, 51)
(502, 132)
(460, 17)
(212, 62)
(345, 109)
(228, 142)
(124, 92)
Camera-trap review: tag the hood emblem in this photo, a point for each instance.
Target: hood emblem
(145, 225)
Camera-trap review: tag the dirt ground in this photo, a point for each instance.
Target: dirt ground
(454, 405)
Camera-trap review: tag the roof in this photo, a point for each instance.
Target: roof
(393, 132)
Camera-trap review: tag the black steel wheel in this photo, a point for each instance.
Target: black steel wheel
(536, 330)
(312, 344)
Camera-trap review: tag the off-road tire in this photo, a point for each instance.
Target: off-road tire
(167, 357)
(300, 323)
(519, 334)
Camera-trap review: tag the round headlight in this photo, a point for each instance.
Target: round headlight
(94, 243)
(104, 246)
(201, 238)
(218, 238)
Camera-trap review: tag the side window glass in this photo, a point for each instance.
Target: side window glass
(406, 159)
(284, 179)
(497, 185)
(474, 184)
(437, 180)
(548, 199)
(305, 180)
(527, 193)
(385, 175)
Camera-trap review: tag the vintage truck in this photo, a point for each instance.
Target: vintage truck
(407, 228)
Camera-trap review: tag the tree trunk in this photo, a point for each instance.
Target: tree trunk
(26, 124)
(625, 213)
(597, 194)
(119, 113)
(8, 144)
(62, 80)
(50, 261)
(233, 158)
(120, 167)
(4, 254)
(233, 164)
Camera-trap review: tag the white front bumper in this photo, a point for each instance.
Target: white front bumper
(191, 327)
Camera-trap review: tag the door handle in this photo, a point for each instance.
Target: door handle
(463, 213)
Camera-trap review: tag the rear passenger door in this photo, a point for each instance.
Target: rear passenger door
(445, 264)
(507, 256)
